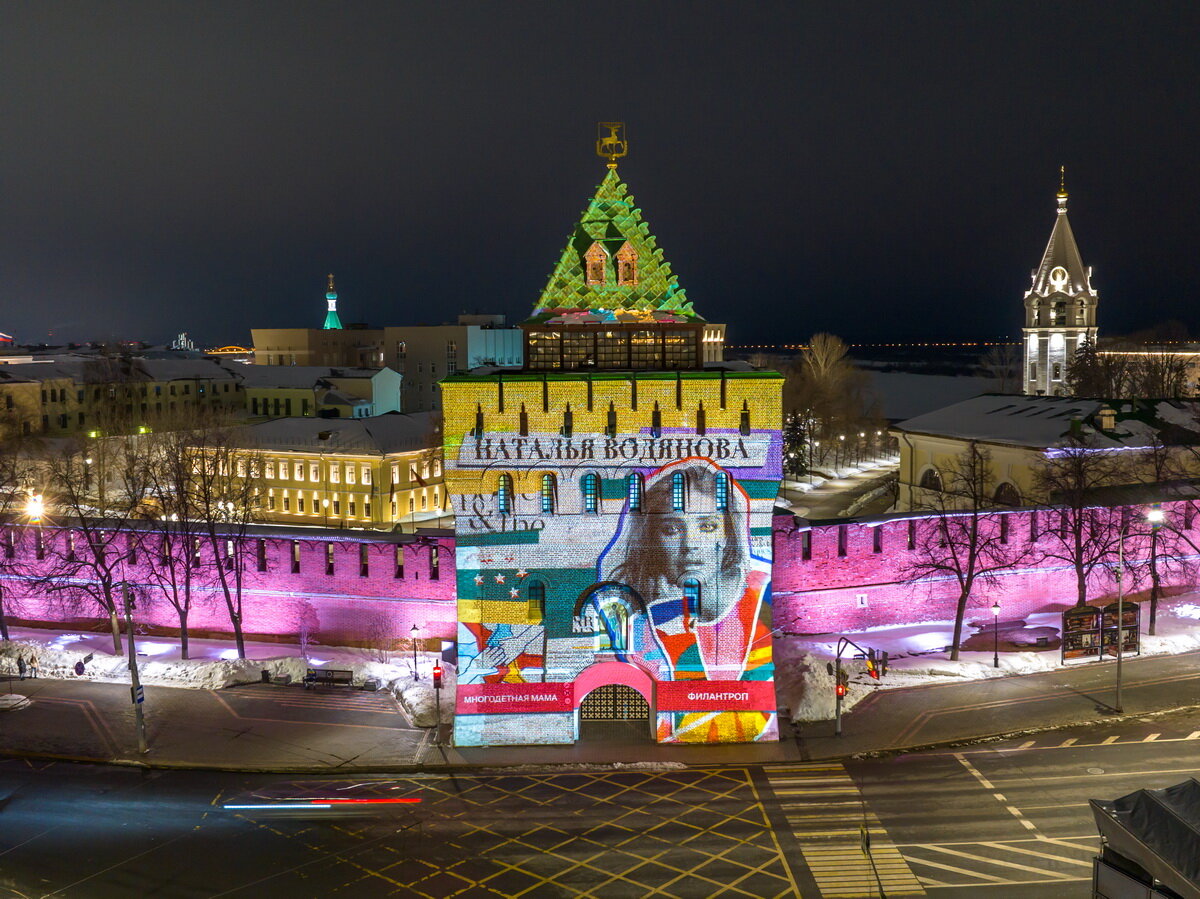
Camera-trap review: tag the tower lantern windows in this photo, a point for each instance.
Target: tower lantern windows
(627, 266)
(596, 261)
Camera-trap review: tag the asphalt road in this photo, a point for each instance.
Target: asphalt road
(1004, 819)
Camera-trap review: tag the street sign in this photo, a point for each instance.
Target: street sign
(137, 693)
(87, 658)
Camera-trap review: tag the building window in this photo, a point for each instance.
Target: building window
(523, 422)
(701, 421)
(633, 490)
(504, 490)
(366, 475)
(656, 422)
(931, 480)
(591, 492)
(744, 422)
(1056, 371)
(1033, 371)
(1003, 528)
(691, 601)
(536, 594)
(335, 473)
(435, 563)
(399, 572)
(627, 275)
(478, 432)
(298, 471)
(314, 472)
(300, 504)
(596, 262)
(841, 539)
(876, 540)
(363, 562)
(548, 494)
(722, 491)
(610, 427)
(1007, 495)
(349, 473)
(806, 546)
(678, 489)
(568, 425)
(295, 557)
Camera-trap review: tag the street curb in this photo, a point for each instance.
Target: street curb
(508, 767)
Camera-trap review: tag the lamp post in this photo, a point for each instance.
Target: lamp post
(1120, 610)
(996, 634)
(414, 630)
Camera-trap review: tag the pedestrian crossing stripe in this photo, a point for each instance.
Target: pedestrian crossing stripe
(1010, 862)
(825, 813)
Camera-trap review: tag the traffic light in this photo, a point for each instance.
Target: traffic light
(841, 689)
(843, 682)
(872, 668)
(437, 677)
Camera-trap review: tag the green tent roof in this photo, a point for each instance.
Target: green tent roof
(612, 220)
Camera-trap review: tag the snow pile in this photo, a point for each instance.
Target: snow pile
(419, 699)
(10, 702)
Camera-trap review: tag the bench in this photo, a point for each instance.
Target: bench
(327, 677)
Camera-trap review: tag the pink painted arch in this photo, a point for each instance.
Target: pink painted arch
(603, 673)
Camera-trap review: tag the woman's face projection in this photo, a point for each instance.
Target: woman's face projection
(691, 546)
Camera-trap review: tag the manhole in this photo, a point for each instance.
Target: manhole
(1095, 770)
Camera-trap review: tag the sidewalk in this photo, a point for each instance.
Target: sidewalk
(288, 729)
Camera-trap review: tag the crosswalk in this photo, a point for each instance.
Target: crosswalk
(1002, 862)
(828, 818)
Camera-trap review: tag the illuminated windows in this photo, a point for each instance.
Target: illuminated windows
(548, 494)
(504, 489)
(722, 491)
(633, 489)
(691, 599)
(931, 480)
(678, 490)
(590, 486)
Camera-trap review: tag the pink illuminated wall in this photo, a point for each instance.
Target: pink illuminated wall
(346, 607)
(847, 577)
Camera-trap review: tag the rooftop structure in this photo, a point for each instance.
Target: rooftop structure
(332, 322)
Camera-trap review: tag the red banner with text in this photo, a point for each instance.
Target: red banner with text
(716, 696)
(478, 699)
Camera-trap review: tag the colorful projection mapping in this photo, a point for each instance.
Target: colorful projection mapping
(614, 556)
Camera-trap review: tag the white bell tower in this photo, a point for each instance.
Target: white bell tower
(1060, 309)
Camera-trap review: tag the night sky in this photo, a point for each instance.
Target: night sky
(882, 171)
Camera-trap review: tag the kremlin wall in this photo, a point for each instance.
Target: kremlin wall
(828, 578)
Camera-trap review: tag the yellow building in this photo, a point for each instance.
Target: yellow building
(81, 394)
(318, 390)
(1018, 432)
(383, 472)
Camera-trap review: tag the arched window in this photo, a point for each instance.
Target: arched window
(633, 489)
(548, 488)
(931, 480)
(627, 275)
(722, 491)
(656, 422)
(478, 420)
(678, 490)
(591, 492)
(504, 492)
(523, 422)
(701, 421)
(744, 423)
(691, 600)
(610, 425)
(596, 260)
(1007, 495)
(536, 594)
(568, 425)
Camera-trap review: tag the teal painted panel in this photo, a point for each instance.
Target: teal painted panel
(501, 538)
(760, 489)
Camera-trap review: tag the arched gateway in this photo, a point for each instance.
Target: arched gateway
(615, 702)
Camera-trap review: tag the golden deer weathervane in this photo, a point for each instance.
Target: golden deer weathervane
(610, 142)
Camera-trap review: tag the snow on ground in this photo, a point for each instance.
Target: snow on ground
(828, 477)
(918, 654)
(214, 664)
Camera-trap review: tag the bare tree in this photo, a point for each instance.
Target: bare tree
(827, 402)
(173, 561)
(965, 539)
(1003, 365)
(1079, 531)
(225, 501)
(99, 490)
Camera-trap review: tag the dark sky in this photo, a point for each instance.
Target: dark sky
(879, 170)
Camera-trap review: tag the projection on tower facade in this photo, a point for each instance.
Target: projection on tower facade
(613, 508)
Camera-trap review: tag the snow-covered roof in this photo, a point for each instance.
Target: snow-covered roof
(1045, 421)
(394, 432)
(295, 376)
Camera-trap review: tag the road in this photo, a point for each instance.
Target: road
(1006, 820)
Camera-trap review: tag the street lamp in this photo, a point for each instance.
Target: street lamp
(414, 631)
(996, 634)
(35, 508)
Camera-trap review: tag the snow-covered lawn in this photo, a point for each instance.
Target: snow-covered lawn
(918, 655)
(214, 664)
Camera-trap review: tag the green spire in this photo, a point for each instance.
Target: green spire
(612, 263)
(332, 322)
